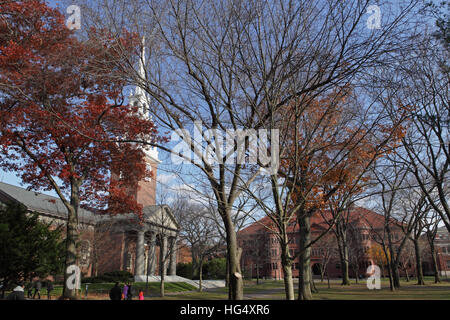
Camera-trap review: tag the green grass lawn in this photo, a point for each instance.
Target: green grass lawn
(101, 290)
(273, 289)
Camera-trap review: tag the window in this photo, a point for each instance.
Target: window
(129, 261)
(448, 264)
(317, 252)
(84, 253)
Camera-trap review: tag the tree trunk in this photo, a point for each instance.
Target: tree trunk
(393, 261)
(162, 261)
(200, 275)
(194, 264)
(257, 274)
(286, 264)
(419, 270)
(407, 274)
(395, 275)
(313, 285)
(71, 238)
(288, 282)
(227, 274)
(391, 278)
(236, 285)
(161, 285)
(328, 280)
(343, 255)
(304, 278)
(437, 278)
(345, 273)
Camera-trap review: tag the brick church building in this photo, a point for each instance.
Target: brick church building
(112, 243)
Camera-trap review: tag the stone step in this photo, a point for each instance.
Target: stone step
(206, 284)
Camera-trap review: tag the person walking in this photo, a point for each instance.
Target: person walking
(115, 293)
(29, 288)
(141, 295)
(49, 289)
(37, 289)
(131, 292)
(125, 291)
(18, 293)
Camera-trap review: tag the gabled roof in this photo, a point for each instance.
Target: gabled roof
(41, 203)
(358, 216)
(152, 214)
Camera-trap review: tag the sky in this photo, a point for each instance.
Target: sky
(165, 176)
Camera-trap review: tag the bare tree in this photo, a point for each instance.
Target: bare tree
(199, 232)
(233, 64)
(326, 251)
(407, 258)
(432, 222)
(403, 207)
(421, 85)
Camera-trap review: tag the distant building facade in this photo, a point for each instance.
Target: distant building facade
(442, 244)
(261, 252)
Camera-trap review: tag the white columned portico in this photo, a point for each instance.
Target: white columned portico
(140, 253)
(152, 254)
(163, 254)
(173, 256)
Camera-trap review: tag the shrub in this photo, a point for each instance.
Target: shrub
(215, 269)
(184, 270)
(113, 276)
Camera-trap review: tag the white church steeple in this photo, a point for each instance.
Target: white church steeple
(138, 97)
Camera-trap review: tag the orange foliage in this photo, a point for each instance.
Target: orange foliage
(329, 150)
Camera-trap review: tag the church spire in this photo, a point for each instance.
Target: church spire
(139, 98)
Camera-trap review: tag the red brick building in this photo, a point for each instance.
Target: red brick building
(261, 253)
(442, 244)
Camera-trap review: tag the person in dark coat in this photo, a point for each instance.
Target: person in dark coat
(29, 288)
(49, 289)
(37, 289)
(131, 292)
(115, 293)
(18, 293)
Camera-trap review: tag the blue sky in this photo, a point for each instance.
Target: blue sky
(165, 168)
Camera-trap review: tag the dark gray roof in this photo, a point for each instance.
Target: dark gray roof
(41, 203)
